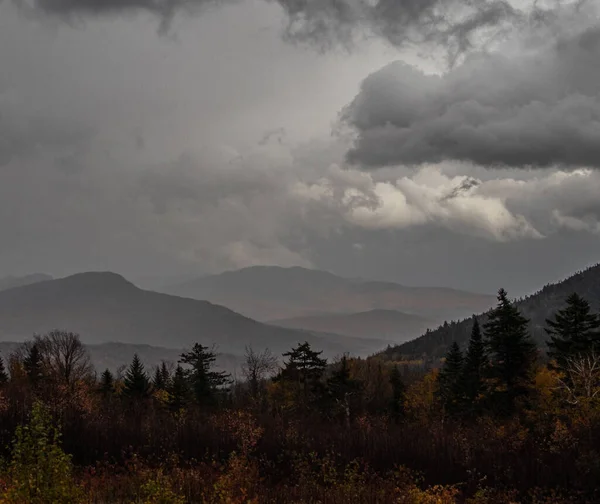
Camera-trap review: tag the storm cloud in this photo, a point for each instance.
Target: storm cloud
(73, 10)
(536, 108)
(122, 150)
(454, 25)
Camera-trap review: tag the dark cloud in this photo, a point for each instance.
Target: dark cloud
(161, 8)
(530, 109)
(449, 22)
(454, 25)
(165, 10)
(67, 206)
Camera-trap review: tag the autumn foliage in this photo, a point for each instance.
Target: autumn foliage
(475, 429)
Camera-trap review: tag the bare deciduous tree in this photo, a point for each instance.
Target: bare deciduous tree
(65, 357)
(582, 379)
(257, 367)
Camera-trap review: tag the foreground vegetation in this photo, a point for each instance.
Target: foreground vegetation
(498, 423)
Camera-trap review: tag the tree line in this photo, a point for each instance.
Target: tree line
(495, 422)
(497, 370)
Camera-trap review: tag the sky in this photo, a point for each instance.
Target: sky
(428, 142)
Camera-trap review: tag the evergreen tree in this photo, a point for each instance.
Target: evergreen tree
(340, 381)
(166, 374)
(512, 353)
(573, 332)
(398, 393)
(204, 380)
(450, 379)
(136, 382)
(342, 386)
(179, 390)
(161, 378)
(474, 367)
(107, 382)
(3, 373)
(305, 367)
(33, 364)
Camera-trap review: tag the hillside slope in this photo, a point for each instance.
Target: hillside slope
(10, 282)
(271, 293)
(104, 307)
(387, 324)
(537, 307)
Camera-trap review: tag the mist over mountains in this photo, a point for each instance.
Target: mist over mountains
(269, 293)
(388, 324)
(334, 314)
(9, 282)
(104, 307)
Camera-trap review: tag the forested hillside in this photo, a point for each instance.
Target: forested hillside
(537, 307)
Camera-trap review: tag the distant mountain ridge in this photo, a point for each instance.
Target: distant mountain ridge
(388, 324)
(113, 356)
(9, 282)
(273, 293)
(105, 307)
(537, 307)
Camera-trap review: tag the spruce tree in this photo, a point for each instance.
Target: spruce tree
(136, 382)
(3, 373)
(398, 393)
(33, 365)
(158, 381)
(573, 332)
(107, 382)
(180, 394)
(450, 379)
(204, 380)
(166, 374)
(161, 378)
(474, 368)
(512, 353)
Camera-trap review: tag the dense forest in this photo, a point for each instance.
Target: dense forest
(536, 307)
(494, 423)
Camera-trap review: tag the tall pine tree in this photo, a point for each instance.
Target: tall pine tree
(204, 380)
(450, 380)
(304, 366)
(474, 368)
(107, 382)
(180, 393)
(136, 382)
(573, 332)
(512, 353)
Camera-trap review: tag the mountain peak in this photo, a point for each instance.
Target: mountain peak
(98, 279)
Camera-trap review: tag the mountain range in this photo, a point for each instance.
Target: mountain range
(538, 307)
(386, 324)
(105, 307)
(268, 293)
